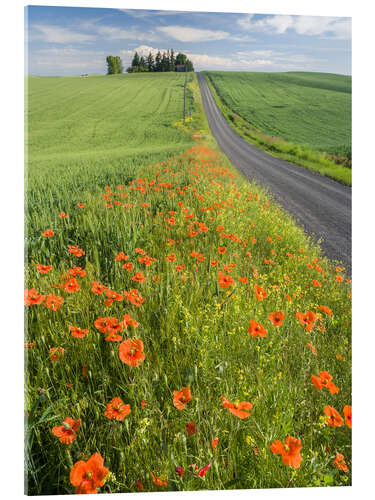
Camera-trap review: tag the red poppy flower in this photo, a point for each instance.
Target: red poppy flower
(225, 280)
(290, 451)
(144, 404)
(276, 318)
(334, 418)
(63, 215)
(238, 408)
(71, 285)
(348, 416)
(48, 233)
(306, 319)
(77, 270)
(140, 251)
(171, 257)
(181, 398)
(117, 410)
(43, 269)
(32, 297)
(108, 326)
(131, 352)
(74, 250)
(243, 279)
(203, 470)
(339, 279)
(180, 471)
(340, 463)
(53, 302)
(55, 353)
(128, 266)
(139, 485)
(260, 294)
(134, 297)
(77, 332)
(138, 277)
(313, 350)
(256, 329)
(324, 381)
(326, 309)
(67, 432)
(90, 475)
(222, 250)
(162, 483)
(97, 288)
(121, 256)
(214, 443)
(80, 205)
(191, 428)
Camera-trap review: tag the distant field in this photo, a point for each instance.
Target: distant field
(78, 125)
(311, 109)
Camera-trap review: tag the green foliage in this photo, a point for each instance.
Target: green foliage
(114, 65)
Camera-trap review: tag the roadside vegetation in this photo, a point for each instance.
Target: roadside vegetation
(182, 332)
(304, 118)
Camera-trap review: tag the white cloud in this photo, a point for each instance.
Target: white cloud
(56, 34)
(333, 27)
(188, 34)
(114, 33)
(67, 60)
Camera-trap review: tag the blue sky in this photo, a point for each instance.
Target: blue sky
(74, 40)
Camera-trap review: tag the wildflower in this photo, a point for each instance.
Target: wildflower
(181, 398)
(276, 318)
(339, 357)
(121, 256)
(340, 463)
(43, 269)
(203, 470)
(260, 294)
(171, 257)
(143, 404)
(315, 283)
(214, 443)
(334, 418)
(80, 205)
(97, 288)
(256, 329)
(324, 381)
(29, 345)
(128, 266)
(306, 319)
(180, 471)
(55, 353)
(339, 279)
(134, 297)
(48, 233)
(63, 215)
(71, 285)
(117, 410)
(243, 279)
(67, 432)
(313, 350)
(225, 280)
(339, 269)
(348, 416)
(238, 408)
(191, 428)
(222, 250)
(138, 277)
(159, 482)
(290, 451)
(131, 352)
(53, 302)
(77, 332)
(90, 475)
(326, 309)
(77, 270)
(74, 250)
(32, 297)
(139, 485)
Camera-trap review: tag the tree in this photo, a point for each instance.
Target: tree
(158, 62)
(135, 61)
(150, 62)
(172, 61)
(114, 65)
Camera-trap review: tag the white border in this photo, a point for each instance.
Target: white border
(12, 33)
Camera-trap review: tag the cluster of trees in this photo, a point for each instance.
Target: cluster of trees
(162, 62)
(114, 65)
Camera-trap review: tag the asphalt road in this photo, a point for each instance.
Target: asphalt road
(320, 204)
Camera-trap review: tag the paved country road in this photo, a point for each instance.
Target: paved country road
(320, 204)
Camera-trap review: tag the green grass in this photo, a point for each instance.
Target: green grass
(301, 117)
(195, 333)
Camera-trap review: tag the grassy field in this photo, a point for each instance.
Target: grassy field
(153, 271)
(306, 116)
